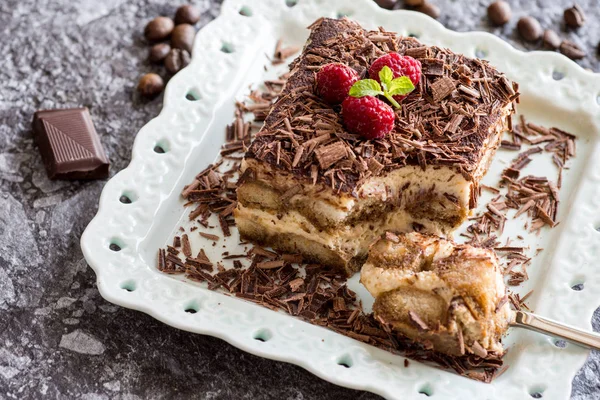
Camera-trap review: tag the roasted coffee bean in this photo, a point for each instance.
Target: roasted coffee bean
(150, 85)
(176, 60)
(387, 4)
(574, 16)
(183, 37)
(571, 50)
(551, 39)
(414, 3)
(530, 29)
(159, 28)
(499, 12)
(158, 52)
(187, 14)
(430, 9)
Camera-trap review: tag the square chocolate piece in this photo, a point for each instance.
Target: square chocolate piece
(314, 188)
(69, 144)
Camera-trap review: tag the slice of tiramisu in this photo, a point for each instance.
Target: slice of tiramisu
(449, 297)
(310, 185)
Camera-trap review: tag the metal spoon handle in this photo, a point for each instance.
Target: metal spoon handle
(547, 326)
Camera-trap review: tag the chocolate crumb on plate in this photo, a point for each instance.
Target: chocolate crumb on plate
(209, 236)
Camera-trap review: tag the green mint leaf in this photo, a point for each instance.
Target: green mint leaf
(400, 86)
(365, 87)
(391, 99)
(385, 76)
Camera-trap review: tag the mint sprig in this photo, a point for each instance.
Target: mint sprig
(366, 87)
(388, 88)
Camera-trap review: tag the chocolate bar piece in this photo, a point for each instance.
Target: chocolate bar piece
(69, 144)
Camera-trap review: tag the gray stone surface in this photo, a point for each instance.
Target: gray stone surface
(58, 337)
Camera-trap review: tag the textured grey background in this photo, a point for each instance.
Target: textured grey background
(58, 337)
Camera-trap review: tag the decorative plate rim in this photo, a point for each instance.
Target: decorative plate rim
(126, 279)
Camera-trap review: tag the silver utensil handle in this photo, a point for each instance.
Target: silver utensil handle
(549, 327)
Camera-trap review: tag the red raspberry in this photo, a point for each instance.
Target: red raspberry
(400, 66)
(334, 82)
(367, 116)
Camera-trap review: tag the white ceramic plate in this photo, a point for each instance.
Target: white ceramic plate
(190, 129)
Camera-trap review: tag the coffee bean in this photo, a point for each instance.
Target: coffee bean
(414, 3)
(574, 16)
(183, 37)
(387, 4)
(571, 50)
(430, 9)
(158, 52)
(551, 39)
(499, 12)
(176, 60)
(529, 28)
(159, 28)
(150, 85)
(187, 14)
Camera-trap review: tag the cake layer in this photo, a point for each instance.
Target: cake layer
(344, 248)
(449, 297)
(441, 196)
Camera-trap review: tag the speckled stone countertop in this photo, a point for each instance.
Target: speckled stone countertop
(58, 337)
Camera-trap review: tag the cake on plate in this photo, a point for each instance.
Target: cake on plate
(314, 184)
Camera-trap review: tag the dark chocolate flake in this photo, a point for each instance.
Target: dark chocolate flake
(209, 236)
(442, 88)
(224, 226)
(186, 247)
(330, 154)
(271, 264)
(432, 66)
(417, 321)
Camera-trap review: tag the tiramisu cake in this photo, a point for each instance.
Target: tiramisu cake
(326, 180)
(449, 297)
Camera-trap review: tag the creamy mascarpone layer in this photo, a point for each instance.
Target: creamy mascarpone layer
(401, 186)
(352, 241)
